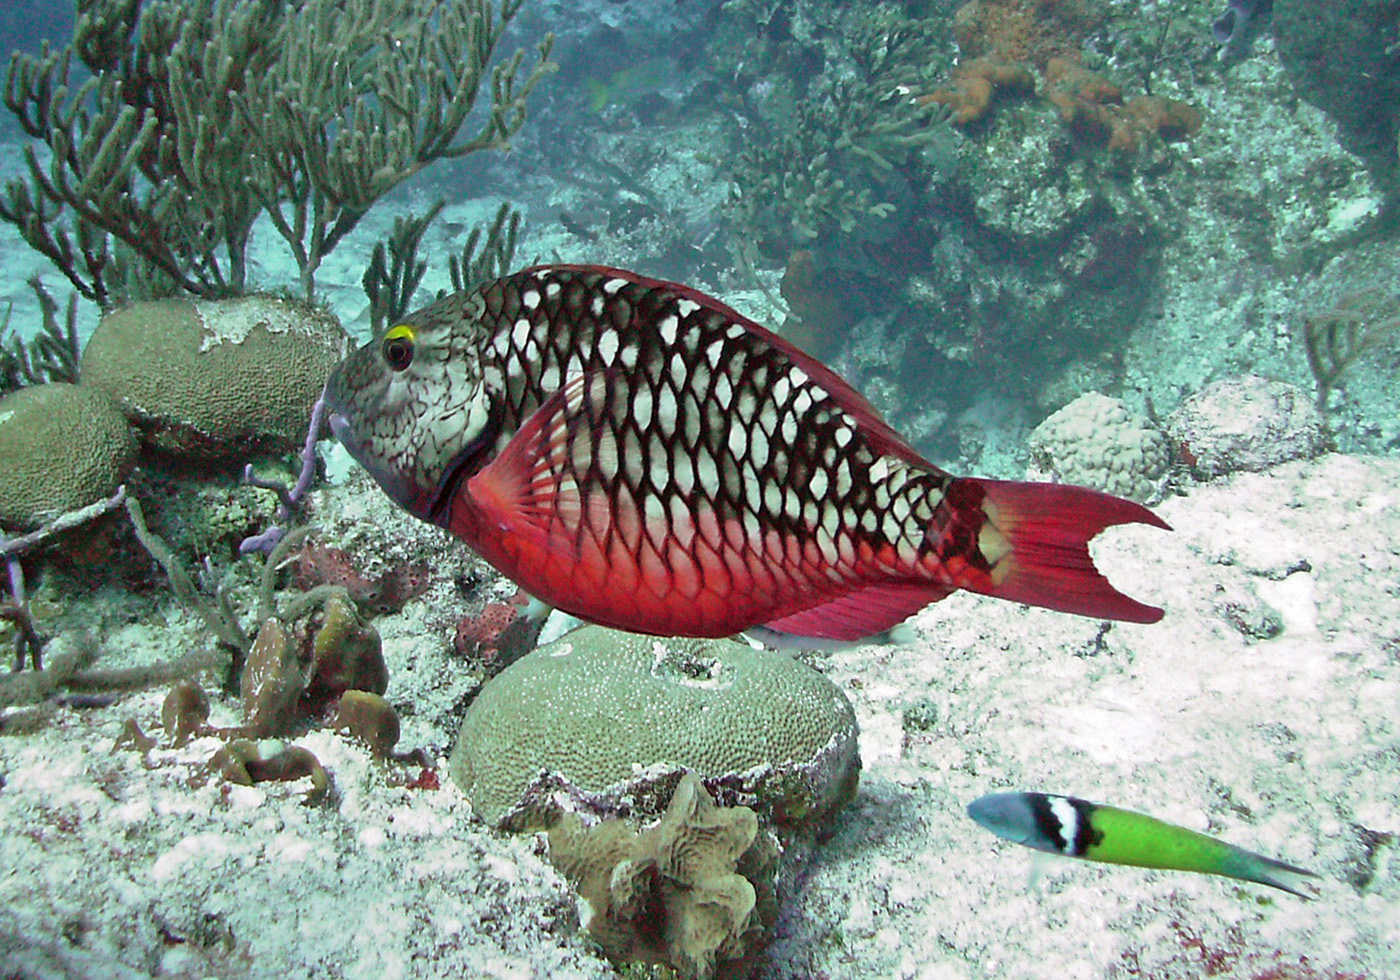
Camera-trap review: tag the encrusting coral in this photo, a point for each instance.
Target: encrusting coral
(1003, 41)
(1092, 108)
(694, 891)
(498, 635)
(320, 564)
(977, 83)
(1030, 31)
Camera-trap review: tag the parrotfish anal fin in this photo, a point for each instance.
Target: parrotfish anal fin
(532, 488)
(1048, 527)
(862, 613)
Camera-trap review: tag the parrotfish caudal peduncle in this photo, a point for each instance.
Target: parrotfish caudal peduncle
(638, 454)
(1077, 828)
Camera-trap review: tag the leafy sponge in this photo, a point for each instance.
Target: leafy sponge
(695, 890)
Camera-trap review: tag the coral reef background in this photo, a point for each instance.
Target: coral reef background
(977, 213)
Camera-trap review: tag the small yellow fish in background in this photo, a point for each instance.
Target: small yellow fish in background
(1077, 828)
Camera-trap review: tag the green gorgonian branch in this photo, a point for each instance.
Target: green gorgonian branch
(194, 118)
(1362, 321)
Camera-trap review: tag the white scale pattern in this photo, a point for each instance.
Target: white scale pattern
(714, 413)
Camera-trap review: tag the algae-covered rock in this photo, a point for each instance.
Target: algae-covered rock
(695, 891)
(588, 713)
(1096, 441)
(64, 447)
(1247, 424)
(216, 380)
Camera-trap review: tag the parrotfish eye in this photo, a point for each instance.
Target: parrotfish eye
(397, 347)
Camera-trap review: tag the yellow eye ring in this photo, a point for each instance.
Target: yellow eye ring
(397, 346)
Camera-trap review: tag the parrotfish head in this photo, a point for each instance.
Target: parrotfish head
(416, 407)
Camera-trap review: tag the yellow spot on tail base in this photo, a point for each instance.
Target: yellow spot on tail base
(994, 547)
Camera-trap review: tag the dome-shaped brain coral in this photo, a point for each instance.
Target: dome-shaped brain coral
(64, 447)
(216, 380)
(1095, 441)
(595, 707)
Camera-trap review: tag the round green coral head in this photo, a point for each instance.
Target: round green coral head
(64, 447)
(216, 380)
(598, 710)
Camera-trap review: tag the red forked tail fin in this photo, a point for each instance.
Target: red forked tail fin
(1048, 527)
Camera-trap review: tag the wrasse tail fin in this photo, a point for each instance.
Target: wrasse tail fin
(855, 616)
(1249, 866)
(1048, 527)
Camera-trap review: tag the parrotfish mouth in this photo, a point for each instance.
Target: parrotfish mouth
(400, 490)
(433, 505)
(467, 463)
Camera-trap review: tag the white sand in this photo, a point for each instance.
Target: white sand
(115, 867)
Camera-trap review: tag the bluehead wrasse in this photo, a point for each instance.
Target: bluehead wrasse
(1077, 828)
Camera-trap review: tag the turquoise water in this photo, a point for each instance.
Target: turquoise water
(975, 214)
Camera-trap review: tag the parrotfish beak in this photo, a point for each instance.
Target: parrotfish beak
(401, 491)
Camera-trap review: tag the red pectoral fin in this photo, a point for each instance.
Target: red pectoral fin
(1048, 527)
(532, 491)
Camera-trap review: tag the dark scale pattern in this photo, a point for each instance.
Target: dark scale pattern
(705, 416)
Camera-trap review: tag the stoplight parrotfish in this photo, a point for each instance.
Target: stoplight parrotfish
(638, 454)
(1077, 828)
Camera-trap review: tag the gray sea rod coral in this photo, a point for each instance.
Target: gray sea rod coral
(595, 708)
